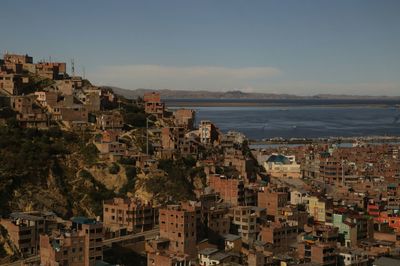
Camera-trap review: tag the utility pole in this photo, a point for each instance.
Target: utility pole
(73, 67)
(147, 136)
(342, 172)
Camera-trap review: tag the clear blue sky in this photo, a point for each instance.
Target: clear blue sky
(300, 47)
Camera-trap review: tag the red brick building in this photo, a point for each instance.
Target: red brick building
(128, 215)
(231, 190)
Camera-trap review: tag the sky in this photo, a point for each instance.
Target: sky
(284, 46)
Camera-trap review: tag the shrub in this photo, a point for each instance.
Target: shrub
(114, 169)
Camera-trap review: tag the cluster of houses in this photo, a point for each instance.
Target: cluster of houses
(43, 93)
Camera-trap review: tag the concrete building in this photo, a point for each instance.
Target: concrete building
(208, 132)
(318, 207)
(46, 98)
(353, 257)
(245, 222)
(212, 256)
(353, 227)
(232, 243)
(281, 166)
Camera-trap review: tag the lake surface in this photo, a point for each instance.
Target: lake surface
(304, 121)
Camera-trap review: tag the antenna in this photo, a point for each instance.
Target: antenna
(84, 73)
(73, 67)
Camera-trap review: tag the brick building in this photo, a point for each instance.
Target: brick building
(153, 104)
(51, 70)
(63, 248)
(94, 234)
(245, 221)
(179, 226)
(281, 234)
(128, 215)
(24, 229)
(273, 198)
(231, 190)
(184, 118)
(110, 120)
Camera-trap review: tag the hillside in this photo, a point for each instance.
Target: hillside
(235, 94)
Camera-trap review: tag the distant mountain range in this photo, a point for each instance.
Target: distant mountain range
(235, 94)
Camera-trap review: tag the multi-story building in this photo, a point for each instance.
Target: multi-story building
(245, 221)
(179, 226)
(128, 215)
(320, 246)
(94, 234)
(273, 198)
(46, 98)
(281, 234)
(244, 165)
(51, 70)
(231, 190)
(281, 166)
(11, 83)
(153, 104)
(24, 229)
(63, 248)
(184, 118)
(29, 114)
(110, 120)
(353, 227)
(353, 257)
(172, 138)
(208, 132)
(318, 208)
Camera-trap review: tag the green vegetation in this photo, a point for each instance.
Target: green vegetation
(178, 183)
(114, 169)
(131, 173)
(90, 153)
(42, 165)
(97, 193)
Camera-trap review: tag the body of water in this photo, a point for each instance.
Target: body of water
(304, 121)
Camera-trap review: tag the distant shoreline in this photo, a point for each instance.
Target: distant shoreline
(225, 103)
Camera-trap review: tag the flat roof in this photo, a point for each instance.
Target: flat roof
(208, 251)
(231, 237)
(83, 220)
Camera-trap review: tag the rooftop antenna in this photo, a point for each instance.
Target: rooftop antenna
(73, 67)
(84, 72)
